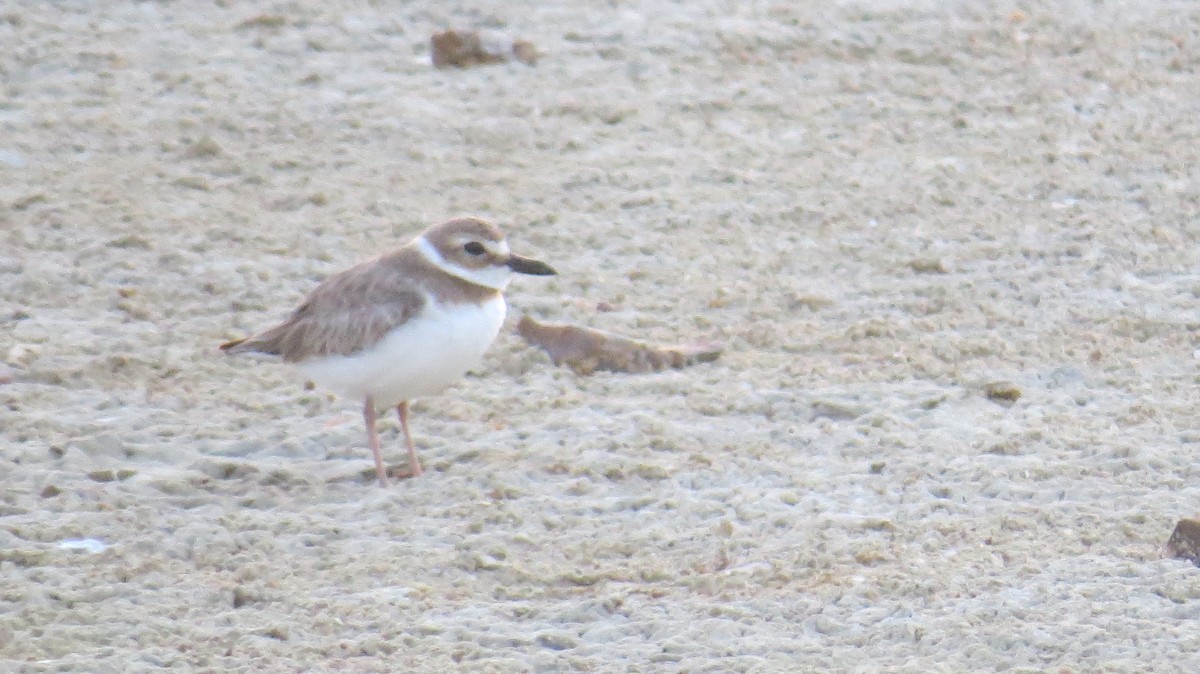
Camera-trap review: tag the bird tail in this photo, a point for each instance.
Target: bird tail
(233, 347)
(266, 342)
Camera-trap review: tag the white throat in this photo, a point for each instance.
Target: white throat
(490, 277)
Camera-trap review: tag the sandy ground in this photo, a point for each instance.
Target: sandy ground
(880, 208)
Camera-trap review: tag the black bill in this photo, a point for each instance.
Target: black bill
(526, 265)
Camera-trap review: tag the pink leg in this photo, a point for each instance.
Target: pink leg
(373, 440)
(414, 466)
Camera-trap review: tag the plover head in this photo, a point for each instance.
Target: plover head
(475, 251)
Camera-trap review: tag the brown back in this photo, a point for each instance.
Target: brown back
(353, 309)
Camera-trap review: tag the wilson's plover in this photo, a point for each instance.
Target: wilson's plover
(404, 325)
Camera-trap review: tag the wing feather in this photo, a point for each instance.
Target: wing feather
(349, 312)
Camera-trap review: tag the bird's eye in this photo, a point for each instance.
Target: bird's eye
(474, 248)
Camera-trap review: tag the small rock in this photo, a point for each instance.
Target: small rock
(193, 183)
(130, 241)
(648, 472)
(203, 148)
(1185, 541)
(104, 475)
(1003, 392)
(275, 632)
(525, 52)
(263, 21)
(241, 597)
(458, 49)
(835, 410)
(225, 470)
(1007, 447)
(797, 301)
(928, 266)
(462, 49)
(134, 310)
(50, 491)
(557, 640)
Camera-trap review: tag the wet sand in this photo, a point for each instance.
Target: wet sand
(883, 210)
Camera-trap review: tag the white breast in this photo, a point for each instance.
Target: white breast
(420, 358)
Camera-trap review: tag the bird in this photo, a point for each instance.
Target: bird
(403, 325)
